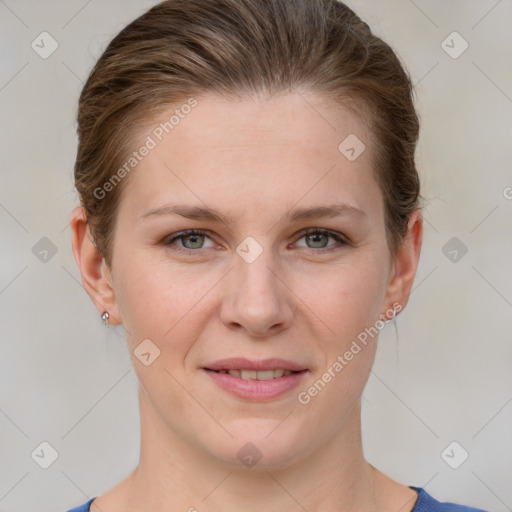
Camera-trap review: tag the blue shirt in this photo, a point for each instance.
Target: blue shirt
(424, 503)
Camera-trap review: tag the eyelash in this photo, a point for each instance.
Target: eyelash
(340, 239)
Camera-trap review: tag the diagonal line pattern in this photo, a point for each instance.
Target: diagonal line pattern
(426, 74)
(508, 508)
(13, 279)
(13, 217)
(407, 504)
(13, 13)
(425, 485)
(198, 402)
(76, 14)
(424, 14)
(313, 108)
(491, 286)
(278, 425)
(286, 490)
(424, 278)
(430, 224)
(398, 398)
(73, 73)
(3, 412)
(500, 409)
(74, 278)
(14, 76)
(484, 218)
(15, 485)
(492, 81)
(81, 419)
(217, 486)
(84, 493)
(409, 501)
(485, 15)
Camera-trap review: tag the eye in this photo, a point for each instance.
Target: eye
(316, 238)
(191, 240)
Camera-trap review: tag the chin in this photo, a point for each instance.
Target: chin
(257, 443)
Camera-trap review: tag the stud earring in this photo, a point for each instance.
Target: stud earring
(105, 316)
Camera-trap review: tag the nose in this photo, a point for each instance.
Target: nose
(257, 299)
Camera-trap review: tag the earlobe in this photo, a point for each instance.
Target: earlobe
(406, 262)
(96, 277)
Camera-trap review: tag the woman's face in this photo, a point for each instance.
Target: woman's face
(254, 285)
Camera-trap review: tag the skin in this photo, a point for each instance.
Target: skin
(253, 159)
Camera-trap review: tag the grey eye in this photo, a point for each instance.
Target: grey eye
(196, 241)
(317, 240)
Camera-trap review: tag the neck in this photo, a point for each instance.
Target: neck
(174, 475)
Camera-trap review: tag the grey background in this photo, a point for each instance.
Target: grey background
(67, 380)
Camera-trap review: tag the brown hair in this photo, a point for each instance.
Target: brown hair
(180, 48)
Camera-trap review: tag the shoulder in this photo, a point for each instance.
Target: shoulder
(82, 508)
(426, 503)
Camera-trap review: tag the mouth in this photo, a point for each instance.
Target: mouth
(258, 380)
(255, 380)
(242, 364)
(257, 374)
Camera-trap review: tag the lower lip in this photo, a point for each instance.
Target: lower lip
(256, 389)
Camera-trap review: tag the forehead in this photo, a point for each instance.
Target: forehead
(292, 118)
(254, 152)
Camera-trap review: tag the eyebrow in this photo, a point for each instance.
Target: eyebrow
(298, 214)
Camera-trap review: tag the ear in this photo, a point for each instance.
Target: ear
(96, 276)
(405, 264)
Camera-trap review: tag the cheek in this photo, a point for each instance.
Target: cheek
(349, 306)
(345, 297)
(331, 397)
(161, 301)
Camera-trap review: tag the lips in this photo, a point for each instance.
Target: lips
(255, 389)
(264, 365)
(257, 380)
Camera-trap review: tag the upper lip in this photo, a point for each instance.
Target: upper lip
(241, 363)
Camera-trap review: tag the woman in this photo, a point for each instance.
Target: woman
(250, 213)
